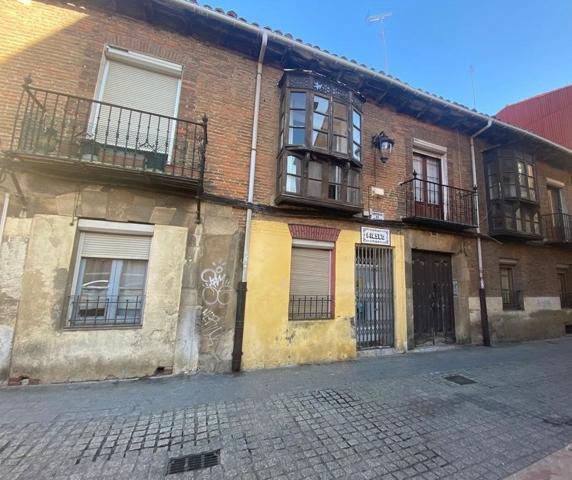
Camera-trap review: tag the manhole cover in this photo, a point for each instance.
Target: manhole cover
(193, 462)
(459, 379)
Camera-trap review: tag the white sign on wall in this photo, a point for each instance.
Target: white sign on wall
(375, 236)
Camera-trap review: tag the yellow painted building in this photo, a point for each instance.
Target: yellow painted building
(271, 339)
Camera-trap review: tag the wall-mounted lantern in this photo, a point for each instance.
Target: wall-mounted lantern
(384, 144)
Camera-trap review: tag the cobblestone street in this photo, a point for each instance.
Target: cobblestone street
(389, 417)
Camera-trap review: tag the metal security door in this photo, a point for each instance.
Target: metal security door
(374, 296)
(433, 314)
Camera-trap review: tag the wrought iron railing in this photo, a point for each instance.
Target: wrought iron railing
(512, 299)
(557, 227)
(310, 307)
(62, 126)
(101, 311)
(566, 300)
(443, 203)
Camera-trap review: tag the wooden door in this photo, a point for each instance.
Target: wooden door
(433, 314)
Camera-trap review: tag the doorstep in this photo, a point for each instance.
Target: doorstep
(377, 352)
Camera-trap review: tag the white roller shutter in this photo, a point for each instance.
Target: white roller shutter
(103, 245)
(310, 271)
(145, 89)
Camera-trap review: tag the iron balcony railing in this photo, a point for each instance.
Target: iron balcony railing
(431, 201)
(512, 299)
(557, 227)
(566, 300)
(310, 307)
(62, 126)
(101, 311)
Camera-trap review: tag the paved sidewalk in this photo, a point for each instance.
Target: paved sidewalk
(557, 466)
(391, 417)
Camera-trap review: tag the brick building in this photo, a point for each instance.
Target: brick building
(187, 191)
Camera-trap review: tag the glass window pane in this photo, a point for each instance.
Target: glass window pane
(131, 291)
(356, 118)
(353, 196)
(320, 122)
(315, 188)
(320, 139)
(91, 305)
(340, 111)
(418, 167)
(353, 178)
(340, 127)
(356, 136)
(336, 174)
(298, 100)
(296, 136)
(297, 118)
(433, 173)
(334, 187)
(315, 170)
(293, 165)
(96, 275)
(292, 184)
(321, 104)
(357, 151)
(340, 144)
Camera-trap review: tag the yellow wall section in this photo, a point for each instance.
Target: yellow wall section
(270, 339)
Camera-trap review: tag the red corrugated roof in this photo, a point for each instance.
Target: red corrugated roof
(548, 114)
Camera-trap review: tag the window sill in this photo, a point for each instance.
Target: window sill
(101, 327)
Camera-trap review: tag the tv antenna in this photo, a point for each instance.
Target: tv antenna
(380, 19)
(472, 76)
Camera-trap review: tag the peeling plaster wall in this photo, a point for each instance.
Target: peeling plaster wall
(180, 330)
(542, 317)
(12, 258)
(44, 350)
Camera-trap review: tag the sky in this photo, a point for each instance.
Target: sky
(516, 48)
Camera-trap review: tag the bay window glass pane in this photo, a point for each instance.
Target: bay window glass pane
(340, 111)
(340, 127)
(353, 187)
(357, 151)
(518, 218)
(294, 172)
(297, 118)
(298, 100)
(356, 119)
(321, 104)
(320, 122)
(320, 139)
(296, 136)
(356, 136)
(335, 187)
(315, 179)
(340, 144)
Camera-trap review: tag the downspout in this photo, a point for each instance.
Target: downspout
(242, 286)
(482, 292)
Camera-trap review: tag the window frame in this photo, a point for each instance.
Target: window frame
(314, 85)
(137, 60)
(110, 228)
(315, 245)
(512, 304)
(327, 167)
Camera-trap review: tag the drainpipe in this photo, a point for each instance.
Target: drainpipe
(241, 290)
(482, 293)
(4, 215)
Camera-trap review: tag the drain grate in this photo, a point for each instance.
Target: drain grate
(459, 379)
(193, 462)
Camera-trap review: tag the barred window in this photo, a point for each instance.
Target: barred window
(311, 281)
(109, 278)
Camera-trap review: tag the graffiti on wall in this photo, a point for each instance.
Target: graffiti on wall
(216, 290)
(216, 285)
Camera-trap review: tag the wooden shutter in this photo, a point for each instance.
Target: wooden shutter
(103, 245)
(310, 271)
(140, 89)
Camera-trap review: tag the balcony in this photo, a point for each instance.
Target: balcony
(557, 228)
(81, 137)
(439, 205)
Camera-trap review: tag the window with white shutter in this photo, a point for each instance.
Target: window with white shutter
(110, 275)
(149, 88)
(310, 281)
